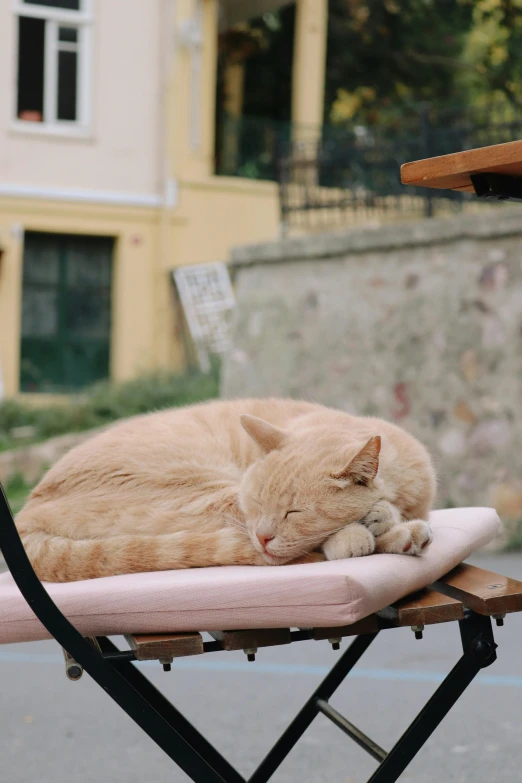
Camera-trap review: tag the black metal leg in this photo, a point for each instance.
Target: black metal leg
(304, 718)
(479, 651)
(170, 737)
(174, 718)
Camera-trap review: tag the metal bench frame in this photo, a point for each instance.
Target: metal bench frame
(116, 673)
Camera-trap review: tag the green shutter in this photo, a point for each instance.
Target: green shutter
(66, 311)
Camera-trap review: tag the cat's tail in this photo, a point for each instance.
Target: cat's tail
(59, 559)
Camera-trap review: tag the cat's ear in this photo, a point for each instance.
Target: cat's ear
(364, 466)
(266, 435)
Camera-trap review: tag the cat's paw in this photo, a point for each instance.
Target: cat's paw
(354, 540)
(381, 518)
(408, 538)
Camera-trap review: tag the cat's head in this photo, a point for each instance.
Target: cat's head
(305, 487)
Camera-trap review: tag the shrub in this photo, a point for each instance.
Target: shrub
(104, 403)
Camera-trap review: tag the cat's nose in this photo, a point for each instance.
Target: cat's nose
(264, 540)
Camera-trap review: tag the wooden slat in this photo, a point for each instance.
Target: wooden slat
(453, 171)
(482, 591)
(250, 639)
(426, 607)
(152, 647)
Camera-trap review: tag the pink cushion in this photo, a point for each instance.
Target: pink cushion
(233, 597)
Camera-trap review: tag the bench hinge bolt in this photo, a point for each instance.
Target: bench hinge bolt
(336, 643)
(166, 663)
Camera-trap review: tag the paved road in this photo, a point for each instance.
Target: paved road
(54, 731)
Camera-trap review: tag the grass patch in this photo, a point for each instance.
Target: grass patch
(104, 403)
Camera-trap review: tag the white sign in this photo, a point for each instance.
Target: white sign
(208, 301)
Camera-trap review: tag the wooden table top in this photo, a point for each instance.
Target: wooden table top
(454, 171)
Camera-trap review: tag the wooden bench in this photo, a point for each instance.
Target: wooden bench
(465, 588)
(467, 595)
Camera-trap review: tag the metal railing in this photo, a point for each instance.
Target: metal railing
(349, 173)
(353, 174)
(250, 146)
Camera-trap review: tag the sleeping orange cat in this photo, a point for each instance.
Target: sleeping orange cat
(246, 482)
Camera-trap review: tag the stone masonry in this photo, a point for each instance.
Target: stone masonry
(420, 324)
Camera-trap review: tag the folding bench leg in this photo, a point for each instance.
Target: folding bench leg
(479, 651)
(173, 717)
(171, 732)
(304, 718)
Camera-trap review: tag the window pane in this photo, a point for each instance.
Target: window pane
(66, 327)
(31, 49)
(67, 71)
(88, 312)
(69, 34)
(39, 312)
(71, 5)
(41, 264)
(89, 263)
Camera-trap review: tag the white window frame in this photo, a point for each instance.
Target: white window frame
(55, 18)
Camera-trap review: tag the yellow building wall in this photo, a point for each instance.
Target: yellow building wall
(214, 215)
(135, 232)
(210, 214)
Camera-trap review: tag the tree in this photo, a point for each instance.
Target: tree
(493, 53)
(386, 55)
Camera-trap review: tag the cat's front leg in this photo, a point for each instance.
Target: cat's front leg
(381, 518)
(354, 540)
(408, 538)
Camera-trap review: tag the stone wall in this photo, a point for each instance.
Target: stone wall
(419, 323)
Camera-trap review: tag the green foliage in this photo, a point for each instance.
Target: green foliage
(104, 403)
(385, 57)
(493, 53)
(386, 53)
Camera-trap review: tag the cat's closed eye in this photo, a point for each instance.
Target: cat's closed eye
(293, 511)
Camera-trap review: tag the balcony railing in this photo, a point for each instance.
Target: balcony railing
(342, 173)
(347, 172)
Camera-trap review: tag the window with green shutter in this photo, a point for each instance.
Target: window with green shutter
(66, 311)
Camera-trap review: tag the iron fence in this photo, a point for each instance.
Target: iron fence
(354, 173)
(351, 172)
(250, 146)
